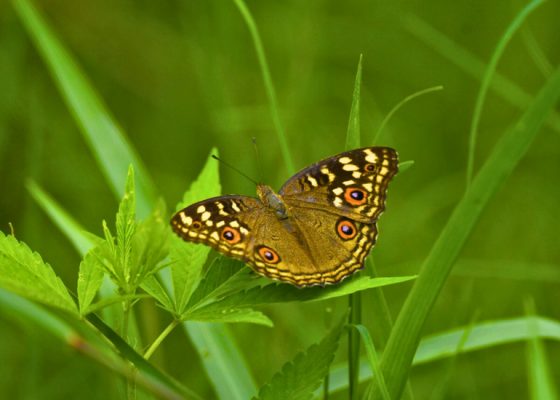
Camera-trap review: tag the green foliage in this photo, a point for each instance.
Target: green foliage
(24, 272)
(89, 280)
(190, 257)
(301, 377)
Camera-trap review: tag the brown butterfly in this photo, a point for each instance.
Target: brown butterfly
(317, 230)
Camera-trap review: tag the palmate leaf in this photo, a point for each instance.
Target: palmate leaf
(284, 292)
(89, 280)
(150, 244)
(109, 301)
(24, 272)
(223, 275)
(191, 257)
(234, 315)
(126, 225)
(152, 286)
(301, 377)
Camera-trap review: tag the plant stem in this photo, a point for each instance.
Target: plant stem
(131, 382)
(355, 303)
(160, 338)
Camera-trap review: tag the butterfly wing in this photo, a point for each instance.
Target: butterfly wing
(351, 184)
(241, 227)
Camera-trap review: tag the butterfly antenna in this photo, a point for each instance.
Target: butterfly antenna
(235, 169)
(258, 158)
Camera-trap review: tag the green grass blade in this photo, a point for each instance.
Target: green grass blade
(373, 360)
(541, 381)
(224, 365)
(300, 378)
(507, 153)
(353, 141)
(353, 134)
(512, 28)
(70, 227)
(468, 62)
(110, 147)
(442, 345)
(269, 86)
(89, 280)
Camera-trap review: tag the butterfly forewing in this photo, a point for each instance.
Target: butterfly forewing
(353, 184)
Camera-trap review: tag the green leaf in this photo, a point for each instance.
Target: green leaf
(353, 133)
(541, 378)
(89, 280)
(437, 266)
(109, 145)
(150, 244)
(373, 360)
(405, 165)
(24, 272)
(285, 292)
(109, 301)
(301, 377)
(221, 277)
(154, 288)
(234, 315)
(190, 256)
(126, 226)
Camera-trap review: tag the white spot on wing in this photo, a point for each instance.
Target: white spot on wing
(371, 157)
(345, 160)
(200, 209)
(338, 191)
(350, 167)
(205, 216)
(368, 186)
(356, 175)
(234, 206)
(235, 224)
(346, 183)
(215, 235)
(337, 201)
(312, 180)
(220, 224)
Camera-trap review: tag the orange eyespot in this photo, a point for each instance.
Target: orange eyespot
(197, 225)
(355, 197)
(231, 235)
(346, 229)
(369, 168)
(268, 255)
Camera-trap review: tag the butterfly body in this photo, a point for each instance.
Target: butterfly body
(317, 230)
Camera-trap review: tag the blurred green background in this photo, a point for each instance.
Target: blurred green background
(182, 76)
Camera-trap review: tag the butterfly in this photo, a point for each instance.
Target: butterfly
(317, 230)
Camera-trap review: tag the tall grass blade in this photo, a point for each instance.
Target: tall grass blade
(541, 381)
(269, 86)
(402, 344)
(355, 299)
(488, 77)
(110, 147)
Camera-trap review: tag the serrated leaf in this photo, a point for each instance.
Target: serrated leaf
(284, 292)
(126, 225)
(89, 280)
(152, 286)
(24, 272)
(150, 244)
(234, 315)
(109, 301)
(191, 257)
(219, 279)
(300, 378)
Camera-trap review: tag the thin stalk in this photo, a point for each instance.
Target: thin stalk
(488, 77)
(131, 381)
(355, 303)
(399, 105)
(160, 338)
(326, 386)
(270, 91)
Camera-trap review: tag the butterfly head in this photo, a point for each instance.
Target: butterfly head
(273, 201)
